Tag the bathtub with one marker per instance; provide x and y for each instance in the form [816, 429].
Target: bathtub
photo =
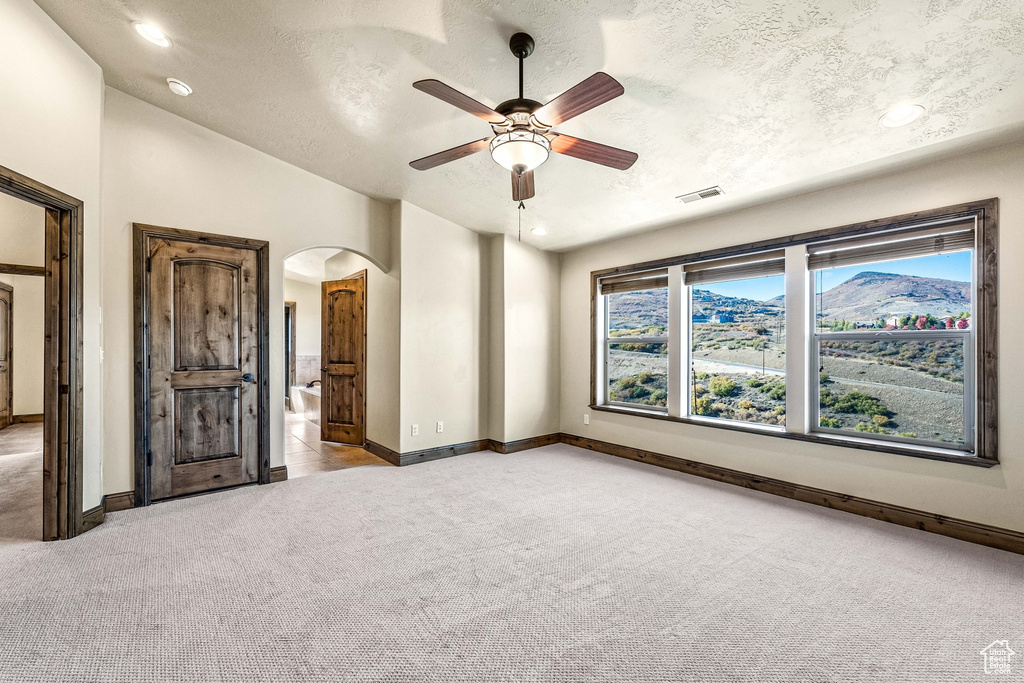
[306, 401]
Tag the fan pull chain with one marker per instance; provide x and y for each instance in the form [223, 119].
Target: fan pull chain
[521, 208]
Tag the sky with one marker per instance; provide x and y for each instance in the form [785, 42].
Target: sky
[945, 266]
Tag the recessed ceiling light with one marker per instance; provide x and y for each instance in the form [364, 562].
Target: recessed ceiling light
[901, 116]
[178, 87]
[540, 232]
[152, 34]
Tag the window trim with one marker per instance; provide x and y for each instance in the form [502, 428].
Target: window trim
[984, 328]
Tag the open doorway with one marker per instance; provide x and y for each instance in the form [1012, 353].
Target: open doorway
[324, 427]
[40, 363]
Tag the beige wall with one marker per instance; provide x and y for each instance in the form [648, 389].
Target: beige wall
[383, 344]
[163, 170]
[444, 331]
[307, 315]
[22, 236]
[991, 496]
[29, 338]
[51, 105]
[496, 339]
[530, 361]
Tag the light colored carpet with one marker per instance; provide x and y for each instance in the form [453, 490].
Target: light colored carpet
[554, 564]
[21, 483]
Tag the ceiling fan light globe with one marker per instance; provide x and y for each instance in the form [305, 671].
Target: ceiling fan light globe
[519, 150]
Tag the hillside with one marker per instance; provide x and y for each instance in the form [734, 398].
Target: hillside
[865, 296]
[870, 295]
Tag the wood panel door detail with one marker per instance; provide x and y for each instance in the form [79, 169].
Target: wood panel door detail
[6, 353]
[204, 385]
[343, 354]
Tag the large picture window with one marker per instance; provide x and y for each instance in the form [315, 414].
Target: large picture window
[737, 338]
[893, 340]
[879, 335]
[636, 339]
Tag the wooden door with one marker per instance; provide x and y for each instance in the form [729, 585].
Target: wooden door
[343, 356]
[6, 352]
[203, 309]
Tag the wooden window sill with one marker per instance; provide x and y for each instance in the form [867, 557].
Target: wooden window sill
[944, 455]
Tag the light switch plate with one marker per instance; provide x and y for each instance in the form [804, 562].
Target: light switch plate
[415, 430]
[586, 418]
[440, 427]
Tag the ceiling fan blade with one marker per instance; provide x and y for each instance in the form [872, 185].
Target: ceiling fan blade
[448, 94]
[593, 151]
[450, 154]
[523, 189]
[582, 97]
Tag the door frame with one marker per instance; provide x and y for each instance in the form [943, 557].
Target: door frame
[10, 353]
[141, 235]
[62, 350]
[290, 337]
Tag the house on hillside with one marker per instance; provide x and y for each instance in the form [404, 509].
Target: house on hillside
[723, 317]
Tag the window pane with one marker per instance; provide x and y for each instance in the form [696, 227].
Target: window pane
[638, 374]
[929, 292]
[638, 314]
[913, 389]
[739, 350]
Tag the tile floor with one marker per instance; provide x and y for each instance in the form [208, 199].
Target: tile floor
[305, 453]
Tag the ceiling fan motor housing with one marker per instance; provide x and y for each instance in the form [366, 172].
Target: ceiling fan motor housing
[521, 45]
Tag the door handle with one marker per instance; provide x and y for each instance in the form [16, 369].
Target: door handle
[247, 377]
[323, 369]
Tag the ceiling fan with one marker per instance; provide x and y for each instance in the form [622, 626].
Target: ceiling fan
[523, 138]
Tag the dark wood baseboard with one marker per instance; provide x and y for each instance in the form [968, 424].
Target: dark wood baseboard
[279, 473]
[972, 532]
[524, 444]
[22, 419]
[115, 502]
[429, 454]
[93, 517]
[383, 452]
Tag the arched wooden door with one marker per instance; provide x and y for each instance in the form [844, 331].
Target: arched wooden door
[343, 355]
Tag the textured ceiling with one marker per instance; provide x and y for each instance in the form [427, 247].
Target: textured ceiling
[747, 94]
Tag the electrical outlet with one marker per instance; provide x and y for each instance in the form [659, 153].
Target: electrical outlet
[586, 418]
[415, 430]
[440, 427]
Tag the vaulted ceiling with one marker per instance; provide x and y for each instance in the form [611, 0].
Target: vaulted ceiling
[752, 95]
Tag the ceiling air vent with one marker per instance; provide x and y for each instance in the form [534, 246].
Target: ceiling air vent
[700, 194]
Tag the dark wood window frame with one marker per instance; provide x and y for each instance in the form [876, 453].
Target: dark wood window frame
[62, 353]
[141, 234]
[986, 213]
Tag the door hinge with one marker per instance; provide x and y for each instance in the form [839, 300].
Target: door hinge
[149, 264]
[149, 458]
[149, 362]
[65, 389]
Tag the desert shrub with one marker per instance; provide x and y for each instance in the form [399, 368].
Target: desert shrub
[830, 422]
[639, 391]
[779, 410]
[702, 406]
[870, 428]
[859, 402]
[722, 386]
[659, 397]
[880, 420]
[700, 375]
[627, 382]
[644, 377]
[745, 405]
[699, 390]
[777, 391]
[823, 378]
[721, 408]
[909, 435]
[755, 382]
[826, 399]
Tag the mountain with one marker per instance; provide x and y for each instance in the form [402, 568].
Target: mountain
[870, 295]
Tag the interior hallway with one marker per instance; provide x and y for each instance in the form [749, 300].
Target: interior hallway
[21, 483]
[305, 453]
